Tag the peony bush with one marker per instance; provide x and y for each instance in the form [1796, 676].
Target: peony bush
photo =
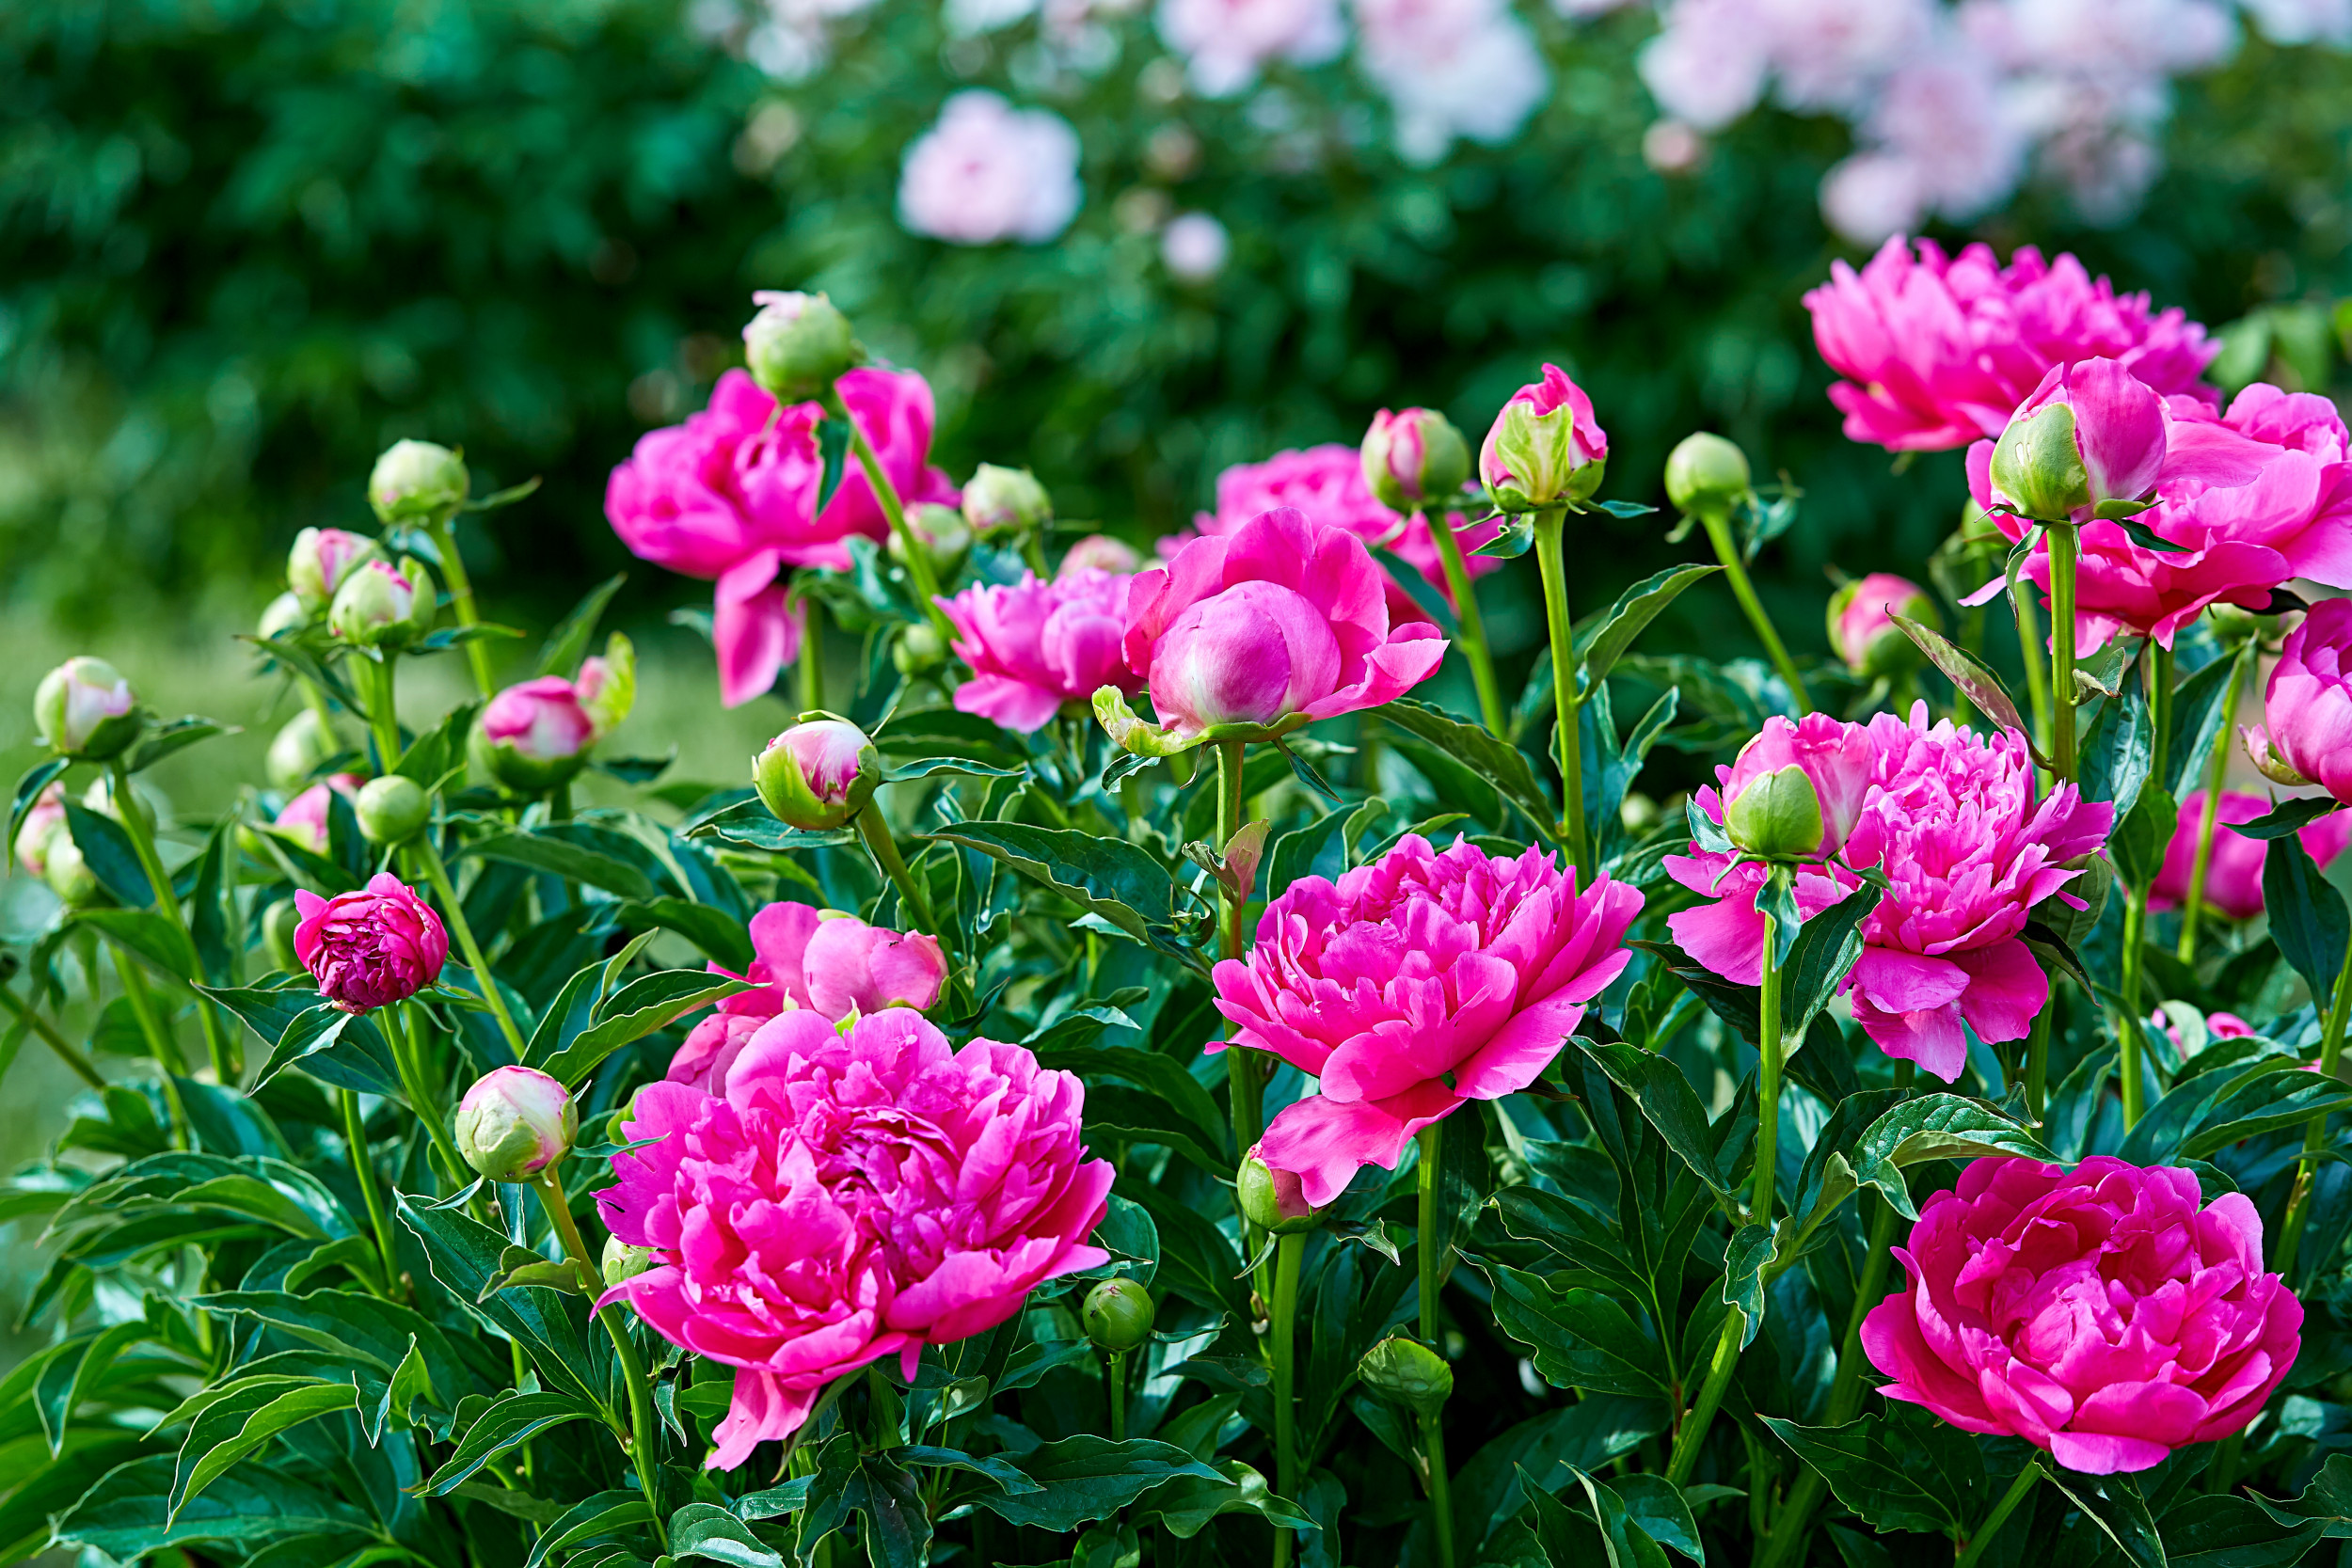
[1178, 1059]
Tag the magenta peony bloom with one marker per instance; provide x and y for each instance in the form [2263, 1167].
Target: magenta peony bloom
[2307, 708]
[1282, 623]
[1413, 984]
[303, 819]
[1951, 818]
[2099, 1314]
[731, 495]
[2233, 877]
[1035, 646]
[369, 948]
[1938, 351]
[844, 1198]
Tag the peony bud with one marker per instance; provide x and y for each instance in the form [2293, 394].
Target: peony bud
[1099, 552]
[1861, 628]
[1777, 816]
[1005, 500]
[799, 345]
[1409, 1374]
[2265, 757]
[320, 558]
[946, 536]
[1545, 449]
[1118, 1316]
[1414, 458]
[392, 809]
[514, 1122]
[624, 1261]
[279, 925]
[66, 873]
[533, 736]
[818, 774]
[382, 605]
[1273, 1200]
[2090, 441]
[300, 749]
[608, 686]
[44, 820]
[1708, 474]
[305, 819]
[417, 479]
[918, 648]
[85, 709]
[286, 612]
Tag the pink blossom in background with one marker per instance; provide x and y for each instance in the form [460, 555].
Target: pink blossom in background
[841, 1198]
[304, 817]
[1707, 66]
[1099, 552]
[1194, 246]
[731, 495]
[2233, 874]
[1425, 979]
[1943, 140]
[1938, 351]
[2307, 705]
[1227, 44]
[987, 172]
[1034, 646]
[1465, 69]
[2106, 1315]
[541, 717]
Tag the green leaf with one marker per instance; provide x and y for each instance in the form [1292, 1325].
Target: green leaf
[1500, 764]
[1667, 1102]
[708, 1531]
[717, 933]
[1935, 1127]
[1626, 1542]
[147, 933]
[1657, 1506]
[2287, 817]
[125, 1514]
[751, 823]
[1185, 1505]
[1636, 608]
[1970, 675]
[2307, 914]
[996, 1467]
[1824, 953]
[1736, 1005]
[2198, 704]
[567, 645]
[2114, 1504]
[362, 1328]
[1745, 1260]
[1108, 875]
[2238, 1532]
[210, 916]
[512, 1417]
[2326, 1497]
[648, 1003]
[602, 1514]
[238, 1425]
[315, 1028]
[431, 757]
[66, 1380]
[2138, 844]
[552, 1325]
[1086, 1477]
[269, 1012]
[1890, 1487]
[577, 851]
[1581, 1339]
[163, 740]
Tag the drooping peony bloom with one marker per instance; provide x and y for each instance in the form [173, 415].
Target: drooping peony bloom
[1951, 818]
[989, 173]
[1411, 984]
[1938, 350]
[731, 495]
[379, 946]
[2099, 1314]
[1280, 622]
[831, 964]
[1035, 646]
[2233, 875]
[845, 1197]
[2256, 496]
[1861, 630]
[303, 819]
[2307, 708]
[1227, 43]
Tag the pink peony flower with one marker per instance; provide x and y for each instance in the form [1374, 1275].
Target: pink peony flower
[1411, 984]
[2099, 1314]
[379, 946]
[988, 172]
[2233, 875]
[2090, 434]
[2307, 708]
[1938, 350]
[540, 719]
[1951, 818]
[1280, 623]
[731, 495]
[843, 1197]
[303, 819]
[1227, 43]
[1035, 646]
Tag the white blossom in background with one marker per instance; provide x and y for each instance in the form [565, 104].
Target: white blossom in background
[1944, 138]
[2303, 20]
[1451, 68]
[788, 40]
[989, 173]
[1194, 246]
[1227, 44]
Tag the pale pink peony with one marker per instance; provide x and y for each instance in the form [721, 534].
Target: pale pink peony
[303, 819]
[541, 719]
[2099, 1314]
[1228, 43]
[1938, 351]
[1099, 552]
[2234, 874]
[1411, 984]
[731, 495]
[1034, 646]
[1951, 818]
[2307, 708]
[45, 818]
[379, 946]
[848, 1197]
[988, 172]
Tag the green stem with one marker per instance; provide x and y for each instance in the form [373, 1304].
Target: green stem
[160, 1044]
[2064, 543]
[918, 557]
[2038, 1063]
[216, 1040]
[1701, 1415]
[1033, 553]
[1470, 625]
[1440, 1486]
[809, 668]
[321, 709]
[1550, 525]
[453, 911]
[1242, 1078]
[1434, 1271]
[363, 1170]
[2290, 1245]
[1287, 1251]
[1769, 1046]
[875, 830]
[2215, 771]
[2160, 710]
[1115, 1377]
[67, 1052]
[1718, 526]
[384, 712]
[2037, 661]
[2134, 921]
[422, 1097]
[461, 598]
[2016, 1494]
[641, 1435]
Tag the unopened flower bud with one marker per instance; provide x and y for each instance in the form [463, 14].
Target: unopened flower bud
[944, 535]
[533, 736]
[1099, 552]
[1118, 1315]
[85, 709]
[380, 604]
[514, 1122]
[623, 1262]
[1707, 474]
[1545, 449]
[1777, 816]
[607, 685]
[278, 922]
[2265, 757]
[1862, 628]
[417, 479]
[300, 749]
[798, 345]
[918, 649]
[391, 809]
[286, 612]
[2088, 440]
[1409, 1374]
[818, 774]
[66, 873]
[1414, 459]
[999, 501]
[1273, 1200]
[322, 559]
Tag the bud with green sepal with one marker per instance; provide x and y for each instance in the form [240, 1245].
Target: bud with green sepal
[1546, 449]
[2088, 442]
[416, 482]
[284, 613]
[1407, 1373]
[382, 605]
[1415, 459]
[608, 684]
[514, 1122]
[85, 709]
[918, 649]
[66, 873]
[1273, 1200]
[392, 809]
[798, 345]
[322, 559]
[1778, 817]
[621, 1261]
[818, 774]
[942, 530]
[1706, 475]
[301, 746]
[1118, 1315]
[1863, 631]
[1000, 502]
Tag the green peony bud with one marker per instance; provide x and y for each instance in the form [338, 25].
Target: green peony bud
[1707, 473]
[278, 934]
[1414, 459]
[999, 501]
[946, 536]
[2038, 466]
[514, 1122]
[66, 873]
[300, 749]
[1777, 816]
[382, 605]
[1273, 1200]
[391, 809]
[417, 479]
[818, 774]
[1118, 1315]
[1407, 1373]
[798, 345]
[623, 1262]
[85, 709]
[286, 612]
[918, 648]
[322, 559]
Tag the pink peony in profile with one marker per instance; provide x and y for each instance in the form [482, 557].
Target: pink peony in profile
[1938, 351]
[2089, 434]
[1951, 818]
[1546, 447]
[2233, 875]
[2100, 1314]
[1425, 979]
[842, 1197]
[1277, 624]
[303, 819]
[379, 946]
[731, 495]
[2307, 708]
[1035, 646]
[988, 172]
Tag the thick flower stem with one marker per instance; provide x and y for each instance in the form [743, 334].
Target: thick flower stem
[809, 668]
[218, 1043]
[2283, 1260]
[1469, 623]
[1115, 1377]
[1287, 1251]
[918, 557]
[1693, 1435]
[2209, 818]
[2160, 707]
[1550, 524]
[461, 598]
[1242, 1078]
[1433, 1276]
[2035, 657]
[384, 714]
[2134, 922]
[421, 1095]
[1718, 524]
[67, 1051]
[160, 1044]
[2065, 544]
[641, 1436]
[2038, 1064]
[875, 830]
[1974, 1547]
[363, 1171]
[453, 911]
